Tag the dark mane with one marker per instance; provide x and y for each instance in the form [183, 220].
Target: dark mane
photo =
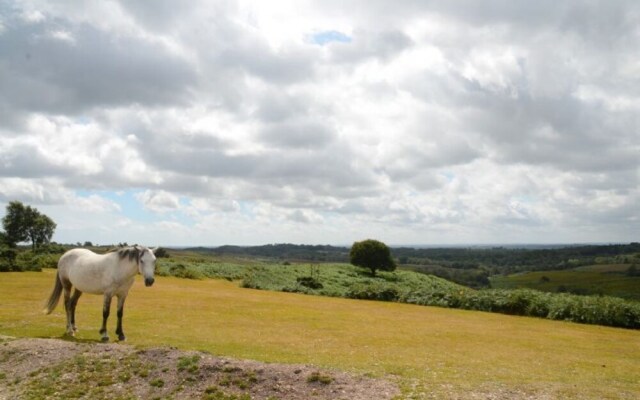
[132, 253]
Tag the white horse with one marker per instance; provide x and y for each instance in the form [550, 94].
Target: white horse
[110, 274]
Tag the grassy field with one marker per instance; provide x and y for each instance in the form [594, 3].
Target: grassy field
[608, 280]
[433, 352]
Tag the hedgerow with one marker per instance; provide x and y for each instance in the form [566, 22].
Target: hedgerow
[599, 310]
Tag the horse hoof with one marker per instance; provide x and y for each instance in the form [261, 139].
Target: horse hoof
[122, 338]
[104, 339]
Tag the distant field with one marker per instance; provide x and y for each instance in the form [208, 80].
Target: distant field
[433, 352]
[608, 280]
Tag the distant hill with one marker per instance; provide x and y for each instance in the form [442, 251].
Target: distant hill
[283, 251]
[498, 259]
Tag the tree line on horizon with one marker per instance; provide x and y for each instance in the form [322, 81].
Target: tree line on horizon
[502, 258]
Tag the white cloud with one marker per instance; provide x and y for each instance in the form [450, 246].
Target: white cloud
[413, 122]
[159, 201]
[64, 36]
[93, 204]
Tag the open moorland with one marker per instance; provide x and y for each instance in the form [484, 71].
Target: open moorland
[428, 352]
[602, 279]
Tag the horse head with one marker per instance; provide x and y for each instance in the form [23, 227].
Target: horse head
[147, 264]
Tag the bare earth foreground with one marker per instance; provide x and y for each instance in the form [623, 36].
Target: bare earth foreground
[53, 368]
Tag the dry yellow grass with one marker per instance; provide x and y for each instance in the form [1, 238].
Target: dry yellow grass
[434, 352]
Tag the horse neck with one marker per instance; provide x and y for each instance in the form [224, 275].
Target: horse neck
[126, 267]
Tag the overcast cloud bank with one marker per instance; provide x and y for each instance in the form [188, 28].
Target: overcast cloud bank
[319, 122]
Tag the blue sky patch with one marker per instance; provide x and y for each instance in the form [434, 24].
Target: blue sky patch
[326, 37]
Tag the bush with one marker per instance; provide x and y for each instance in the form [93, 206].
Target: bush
[27, 261]
[374, 291]
[600, 310]
[161, 253]
[7, 258]
[180, 271]
[47, 260]
[310, 282]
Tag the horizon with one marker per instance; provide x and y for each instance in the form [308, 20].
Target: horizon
[244, 122]
[391, 245]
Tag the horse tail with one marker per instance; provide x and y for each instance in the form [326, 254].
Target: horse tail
[55, 296]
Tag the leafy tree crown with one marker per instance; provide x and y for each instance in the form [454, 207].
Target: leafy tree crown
[26, 224]
[373, 255]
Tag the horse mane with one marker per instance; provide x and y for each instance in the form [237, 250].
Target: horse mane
[133, 253]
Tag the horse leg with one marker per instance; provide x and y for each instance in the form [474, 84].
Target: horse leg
[74, 303]
[67, 307]
[106, 306]
[119, 330]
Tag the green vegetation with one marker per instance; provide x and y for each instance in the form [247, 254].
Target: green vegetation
[213, 393]
[28, 260]
[607, 279]
[26, 224]
[372, 255]
[470, 266]
[433, 352]
[341, 280]
[495, 260]
[318, 377]
[189, 364]
[95, 376]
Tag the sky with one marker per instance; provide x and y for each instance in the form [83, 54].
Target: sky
[323, 122]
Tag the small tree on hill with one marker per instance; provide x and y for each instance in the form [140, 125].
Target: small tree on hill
[373, 255]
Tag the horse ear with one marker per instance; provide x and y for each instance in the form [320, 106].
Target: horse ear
[154, 249]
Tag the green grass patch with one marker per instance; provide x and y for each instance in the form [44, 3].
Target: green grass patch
[189, 364]
[319, 377]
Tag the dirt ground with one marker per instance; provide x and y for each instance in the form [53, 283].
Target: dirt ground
[55, 369]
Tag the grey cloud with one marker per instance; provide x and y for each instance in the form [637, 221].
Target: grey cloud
[91, 68]
[596, 20]
[276, 106]
[36, 191]
[365, 44]
[521, 126]
[229, 48]
[299, 216]
[27, 161]
[160, 15]
[298, 134]
[324, 167]
[561, 132]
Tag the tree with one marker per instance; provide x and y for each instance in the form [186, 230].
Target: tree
[373, 255]
[14, 223]
[40, 230]
[26, 224]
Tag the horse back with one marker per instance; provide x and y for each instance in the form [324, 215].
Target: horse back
[86, 270]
